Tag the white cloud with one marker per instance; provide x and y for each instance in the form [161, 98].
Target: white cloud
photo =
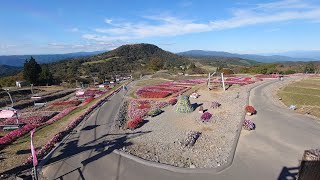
[285, 4]
[74, 29]
[108, 21]
[158, 26]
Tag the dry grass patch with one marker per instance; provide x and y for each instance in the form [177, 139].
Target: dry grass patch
[305, 94]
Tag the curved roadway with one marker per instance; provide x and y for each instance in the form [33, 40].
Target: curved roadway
[272, 151]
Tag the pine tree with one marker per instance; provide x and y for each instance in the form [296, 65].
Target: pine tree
[31, 71]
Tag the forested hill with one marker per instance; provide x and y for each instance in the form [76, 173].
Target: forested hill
[8, 70]
[135, 58]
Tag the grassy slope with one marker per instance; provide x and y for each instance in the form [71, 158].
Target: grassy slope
[99, 61]
[17, 153]
[305, 94]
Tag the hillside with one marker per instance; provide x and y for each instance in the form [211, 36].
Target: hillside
[223, 61]
[18, 60]
[254, 57]
[126, 59]
[8, 70]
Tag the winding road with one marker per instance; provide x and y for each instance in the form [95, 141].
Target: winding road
[272, 151]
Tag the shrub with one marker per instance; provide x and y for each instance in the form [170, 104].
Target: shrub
[173, 101]
[215, 104]
[201, 108]
[248, 125]
[154, 112]
[206, 116]
[250, 109]
[133, 124]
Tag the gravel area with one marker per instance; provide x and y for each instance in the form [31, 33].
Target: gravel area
[159, 138]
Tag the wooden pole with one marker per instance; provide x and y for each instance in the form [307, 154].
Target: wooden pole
[223, 85]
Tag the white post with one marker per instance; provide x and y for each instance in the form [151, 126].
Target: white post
[31, 86]
[209, 81]
[222, 79]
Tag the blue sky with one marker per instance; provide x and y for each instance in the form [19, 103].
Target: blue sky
[60, 26]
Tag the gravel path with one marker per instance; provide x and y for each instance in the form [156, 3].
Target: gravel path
[163, 133]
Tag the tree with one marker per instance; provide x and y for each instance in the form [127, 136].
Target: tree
[31, 71]
[310, 68]
[45, 75]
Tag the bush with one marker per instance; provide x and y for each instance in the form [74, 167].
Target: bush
[250, 109]
[201, 108]
[173, 101]
[154, 112]
[215, 104]
[133, 124]
[206, 116]
[248, 125]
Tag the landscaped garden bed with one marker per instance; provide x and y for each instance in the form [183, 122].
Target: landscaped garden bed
[188, 132]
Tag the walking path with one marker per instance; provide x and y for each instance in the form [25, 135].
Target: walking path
[272, 151]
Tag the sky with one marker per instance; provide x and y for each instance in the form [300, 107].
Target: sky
[251, 26]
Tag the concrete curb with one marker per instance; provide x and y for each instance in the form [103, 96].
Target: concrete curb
[194, 170]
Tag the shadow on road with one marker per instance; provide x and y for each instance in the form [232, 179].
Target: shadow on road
[89, 127]
[103, 148]
[79, 171]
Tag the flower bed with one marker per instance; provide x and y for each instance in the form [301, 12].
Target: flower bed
[142, 93]
[15, 134]
[66, 103]
[166, 89]
[173, 101]
[135, 110]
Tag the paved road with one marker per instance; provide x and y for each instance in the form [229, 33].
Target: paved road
[266, 153]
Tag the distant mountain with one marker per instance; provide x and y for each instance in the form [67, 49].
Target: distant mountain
[259, 58]
[315, 54]
[6, 70]
[126, 59]
[18, 60]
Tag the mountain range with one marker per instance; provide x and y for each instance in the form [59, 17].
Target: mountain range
[296, 55]
[18, 60]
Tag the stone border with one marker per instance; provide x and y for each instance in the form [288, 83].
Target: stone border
[195, 170]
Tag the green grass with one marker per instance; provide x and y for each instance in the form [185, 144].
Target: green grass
[100, 61]
[305, 94]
